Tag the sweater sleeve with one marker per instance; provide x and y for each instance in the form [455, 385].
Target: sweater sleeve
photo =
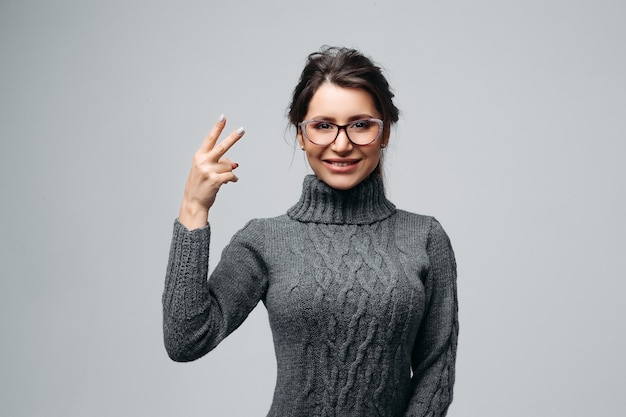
[434, 354]
[199, 313]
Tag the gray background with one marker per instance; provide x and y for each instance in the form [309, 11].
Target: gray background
[512, 135]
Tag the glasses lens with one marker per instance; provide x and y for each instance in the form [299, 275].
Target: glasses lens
[363, 132]
[360, 132]
[321, 133]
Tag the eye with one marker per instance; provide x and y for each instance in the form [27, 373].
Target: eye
[322, 126]
[361, 125]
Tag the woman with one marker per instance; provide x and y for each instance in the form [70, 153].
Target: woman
[361, 296]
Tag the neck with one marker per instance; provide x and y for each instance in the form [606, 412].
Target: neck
[363, 204]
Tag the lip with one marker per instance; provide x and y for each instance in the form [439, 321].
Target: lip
[341, 165]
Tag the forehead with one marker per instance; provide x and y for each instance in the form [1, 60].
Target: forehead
[335, 102]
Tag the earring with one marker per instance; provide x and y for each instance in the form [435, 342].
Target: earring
[382, 145]
[302, 147]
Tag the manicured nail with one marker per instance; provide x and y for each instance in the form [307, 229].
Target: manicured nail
[221, 118]
[240, 131]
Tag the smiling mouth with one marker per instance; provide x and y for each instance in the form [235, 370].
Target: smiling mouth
[342, 163]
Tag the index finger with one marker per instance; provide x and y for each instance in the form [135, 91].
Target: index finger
[221, 148]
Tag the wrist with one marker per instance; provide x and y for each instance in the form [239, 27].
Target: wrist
[193, 216]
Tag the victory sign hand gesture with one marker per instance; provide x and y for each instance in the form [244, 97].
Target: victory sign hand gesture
[209, 171]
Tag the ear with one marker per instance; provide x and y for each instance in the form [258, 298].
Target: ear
[300, 138]
[385, 138]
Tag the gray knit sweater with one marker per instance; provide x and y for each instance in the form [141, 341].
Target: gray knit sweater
[361, 299]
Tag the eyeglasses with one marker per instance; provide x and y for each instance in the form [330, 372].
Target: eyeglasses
[360, 132]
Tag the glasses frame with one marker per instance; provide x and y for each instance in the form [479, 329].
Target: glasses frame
[303, 124]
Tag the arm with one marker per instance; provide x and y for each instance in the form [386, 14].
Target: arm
[199, 313]
[434, 353]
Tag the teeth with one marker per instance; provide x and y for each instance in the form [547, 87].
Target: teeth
[340, 164]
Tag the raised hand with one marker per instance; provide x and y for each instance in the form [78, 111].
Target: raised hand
[209, 171]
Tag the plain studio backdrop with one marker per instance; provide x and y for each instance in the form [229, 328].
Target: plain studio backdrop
[512, 134]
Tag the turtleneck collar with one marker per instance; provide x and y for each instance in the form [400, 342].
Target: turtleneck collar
[364, 204]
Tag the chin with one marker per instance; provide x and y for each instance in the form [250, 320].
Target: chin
[341, 183]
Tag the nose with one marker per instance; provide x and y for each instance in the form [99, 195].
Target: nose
[342, 144]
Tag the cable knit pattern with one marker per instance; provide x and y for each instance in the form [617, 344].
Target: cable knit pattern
[361, 299]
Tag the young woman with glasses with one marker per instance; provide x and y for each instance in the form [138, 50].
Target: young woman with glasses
[361, 296]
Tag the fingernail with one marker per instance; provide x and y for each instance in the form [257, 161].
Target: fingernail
[240, 131]
[221, 118]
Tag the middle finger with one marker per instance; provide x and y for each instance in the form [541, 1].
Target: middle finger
[211, 138]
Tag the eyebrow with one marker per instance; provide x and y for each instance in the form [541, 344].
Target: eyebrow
[350, 119]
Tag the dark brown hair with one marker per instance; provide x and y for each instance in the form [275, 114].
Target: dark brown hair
[348, 68]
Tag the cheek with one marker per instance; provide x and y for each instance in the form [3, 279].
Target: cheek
[373, 153]
[313, 154]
